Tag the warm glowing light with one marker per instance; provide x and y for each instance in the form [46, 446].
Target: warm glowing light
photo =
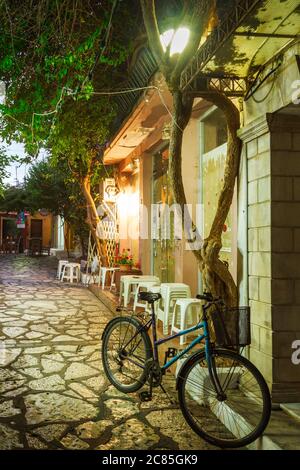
[179, 41]
[166, 38]
[128, 204]
[176, 40]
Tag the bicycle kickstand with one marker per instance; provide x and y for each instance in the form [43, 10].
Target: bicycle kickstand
[165, 391]
[147, 395]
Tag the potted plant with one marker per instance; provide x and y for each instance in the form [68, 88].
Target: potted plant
[125, 260]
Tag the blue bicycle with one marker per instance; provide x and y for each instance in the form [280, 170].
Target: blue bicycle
[222, 395]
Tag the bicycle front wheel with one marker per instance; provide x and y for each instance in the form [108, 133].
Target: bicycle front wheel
[234, 414]
[126, 347]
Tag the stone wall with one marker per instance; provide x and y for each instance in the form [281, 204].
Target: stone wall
[257, 152]
[272, 150]
[285, 242]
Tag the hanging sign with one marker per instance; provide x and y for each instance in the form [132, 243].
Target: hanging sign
[43, 212]
[110, 190]
[21, 220]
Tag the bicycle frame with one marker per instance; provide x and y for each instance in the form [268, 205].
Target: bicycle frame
[205, 336]
[156, 343]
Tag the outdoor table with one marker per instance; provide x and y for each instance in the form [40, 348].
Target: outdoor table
[129, 281]
[119, 274]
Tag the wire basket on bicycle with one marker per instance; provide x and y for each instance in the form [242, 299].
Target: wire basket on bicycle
[231, 326]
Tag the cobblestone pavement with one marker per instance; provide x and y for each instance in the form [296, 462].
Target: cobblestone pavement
[53, 391]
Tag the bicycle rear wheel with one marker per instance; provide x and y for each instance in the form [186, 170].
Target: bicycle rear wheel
[126, 347]
[240, 411]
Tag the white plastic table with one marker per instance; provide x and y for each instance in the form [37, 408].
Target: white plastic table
[128, 281]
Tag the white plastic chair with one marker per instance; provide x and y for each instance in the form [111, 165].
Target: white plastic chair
[188, 316]
[61, 264]
[103, 272]
[170, 292]
[71, 272]
[143, 286]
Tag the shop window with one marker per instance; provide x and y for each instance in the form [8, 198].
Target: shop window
[215, 130]
[213, 160]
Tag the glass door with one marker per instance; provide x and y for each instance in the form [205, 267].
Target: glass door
[163, 248]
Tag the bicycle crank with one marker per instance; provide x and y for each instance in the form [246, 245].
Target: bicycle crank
[153, 372]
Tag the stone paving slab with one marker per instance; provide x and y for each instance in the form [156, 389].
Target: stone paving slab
[53, 391]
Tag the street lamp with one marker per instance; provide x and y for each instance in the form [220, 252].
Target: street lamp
[177, 40]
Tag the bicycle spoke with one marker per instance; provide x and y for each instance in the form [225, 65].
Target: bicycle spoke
[126, 349]
[223, 416]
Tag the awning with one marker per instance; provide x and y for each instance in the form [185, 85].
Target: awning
[247, 38]
[250, 34]
[143, 122]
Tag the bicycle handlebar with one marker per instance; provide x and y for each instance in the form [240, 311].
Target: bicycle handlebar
[205, 296]
[208, 297]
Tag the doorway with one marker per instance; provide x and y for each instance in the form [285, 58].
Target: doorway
[163, 245]
[36, 228]
[36, 236]
[9, 228]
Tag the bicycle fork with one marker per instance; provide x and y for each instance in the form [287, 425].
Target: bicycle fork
[212, 370]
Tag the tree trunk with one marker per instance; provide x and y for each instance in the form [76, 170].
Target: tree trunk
[82, 244]
[66, 243]
[199, 15]
[216, 273]
[216, 276]
[93, 220]
[181, 116]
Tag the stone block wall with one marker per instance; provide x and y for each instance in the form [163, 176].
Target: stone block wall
[285, 219]
[272, 148]
[259, 251]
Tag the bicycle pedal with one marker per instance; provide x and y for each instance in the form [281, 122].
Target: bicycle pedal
[170, 353]
[145, 396]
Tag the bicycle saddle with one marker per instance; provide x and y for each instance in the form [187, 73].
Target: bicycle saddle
[149, 297]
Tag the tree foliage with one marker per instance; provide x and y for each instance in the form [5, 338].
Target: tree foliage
[79, 138]
[13, 199]
[57, 58]
[53, 49]
[4, 162]
[54, 188]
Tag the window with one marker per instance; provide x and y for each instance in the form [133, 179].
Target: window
[215, 130]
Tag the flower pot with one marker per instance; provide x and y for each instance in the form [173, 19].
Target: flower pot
[125, 267]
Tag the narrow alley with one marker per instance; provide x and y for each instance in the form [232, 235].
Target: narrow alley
[53, 392]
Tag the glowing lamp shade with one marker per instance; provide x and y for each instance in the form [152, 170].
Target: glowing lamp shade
[176, 40]
[166, 38]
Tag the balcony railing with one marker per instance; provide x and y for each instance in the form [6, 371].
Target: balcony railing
[145, 67]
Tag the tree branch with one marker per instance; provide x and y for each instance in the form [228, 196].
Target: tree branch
[150, 20]
[196, 18]
[232, 161]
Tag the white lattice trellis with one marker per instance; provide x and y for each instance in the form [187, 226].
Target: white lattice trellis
[92, 269]
[109, 230]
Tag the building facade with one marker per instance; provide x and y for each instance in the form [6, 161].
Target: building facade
[48, 229]
[36, 226]
[261, 241]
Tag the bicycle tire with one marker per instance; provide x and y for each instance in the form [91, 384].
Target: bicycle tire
[133, 325]
[210, 406]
